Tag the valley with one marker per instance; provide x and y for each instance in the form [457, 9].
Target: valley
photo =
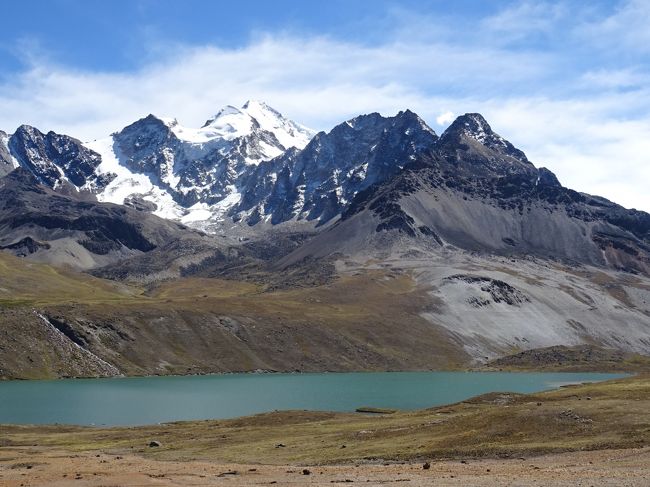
[324, 243]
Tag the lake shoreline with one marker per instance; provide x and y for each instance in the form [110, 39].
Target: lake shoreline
[597, 416]
[557, 358]
[138, 401]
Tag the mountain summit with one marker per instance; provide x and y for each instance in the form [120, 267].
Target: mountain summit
[231, 123]
[194, 174]
[457, 244]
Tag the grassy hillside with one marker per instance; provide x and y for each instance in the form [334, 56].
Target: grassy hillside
[613, 414]
[59, 323]
[579, 358]
[198, 325]
[29, 283]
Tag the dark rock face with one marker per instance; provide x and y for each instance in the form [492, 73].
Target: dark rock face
[33, 217]
[320, 181]
[25, 247]
[473, 190]
[499, 291]
[75, 335]
[6, 165]
[469, 188]
[55, 158]
[470, 146]
[144, 146]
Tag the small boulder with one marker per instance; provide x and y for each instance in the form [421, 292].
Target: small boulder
[426, 466]
[154, 444]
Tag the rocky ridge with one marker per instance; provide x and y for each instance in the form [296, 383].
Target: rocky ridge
[333, 240]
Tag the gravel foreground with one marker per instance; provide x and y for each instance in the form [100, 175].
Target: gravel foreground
[46, 467]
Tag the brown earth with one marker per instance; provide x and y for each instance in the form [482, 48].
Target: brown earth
[594, 434]
[34, 467]
[581, 358]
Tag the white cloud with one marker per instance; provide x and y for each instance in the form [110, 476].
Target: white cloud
[590, 127]
[624, 31]
[524, 19]
[317, 80]
[445, 118]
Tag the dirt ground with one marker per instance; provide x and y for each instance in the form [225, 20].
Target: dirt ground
[35, 466]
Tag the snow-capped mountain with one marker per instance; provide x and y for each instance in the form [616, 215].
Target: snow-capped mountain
[193, 175]
[479, 251]
[247, 164]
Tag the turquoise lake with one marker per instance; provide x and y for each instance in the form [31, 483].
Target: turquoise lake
[149, 400]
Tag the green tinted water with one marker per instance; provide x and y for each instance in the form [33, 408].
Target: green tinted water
[148, 400]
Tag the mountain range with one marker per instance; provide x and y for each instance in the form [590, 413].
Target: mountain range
[376, 245]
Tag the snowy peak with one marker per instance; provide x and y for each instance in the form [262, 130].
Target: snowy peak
[229, 123]
[232, 122]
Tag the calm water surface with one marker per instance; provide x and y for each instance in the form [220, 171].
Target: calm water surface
[148, 400]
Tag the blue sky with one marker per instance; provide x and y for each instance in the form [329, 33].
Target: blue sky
[568, 82]
[116, 34]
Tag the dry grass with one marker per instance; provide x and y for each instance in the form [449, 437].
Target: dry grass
[31, 283]
[211, 325]
[613, 414]
[580, 358]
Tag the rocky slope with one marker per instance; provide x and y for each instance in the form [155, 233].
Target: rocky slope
[335, 243]
[47, 226]
[7, 162]
[246, 165]
[318, 182]
[481, 194]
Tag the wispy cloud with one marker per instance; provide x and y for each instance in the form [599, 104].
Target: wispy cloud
[625, 31]
[525, 19]
[586, 120]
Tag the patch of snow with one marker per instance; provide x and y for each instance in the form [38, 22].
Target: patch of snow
[4, 140]
[288, 133]
[168, 176]
[300, 200]
[126, 183]
[232, 199]
[199, 212]
[269, 151]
